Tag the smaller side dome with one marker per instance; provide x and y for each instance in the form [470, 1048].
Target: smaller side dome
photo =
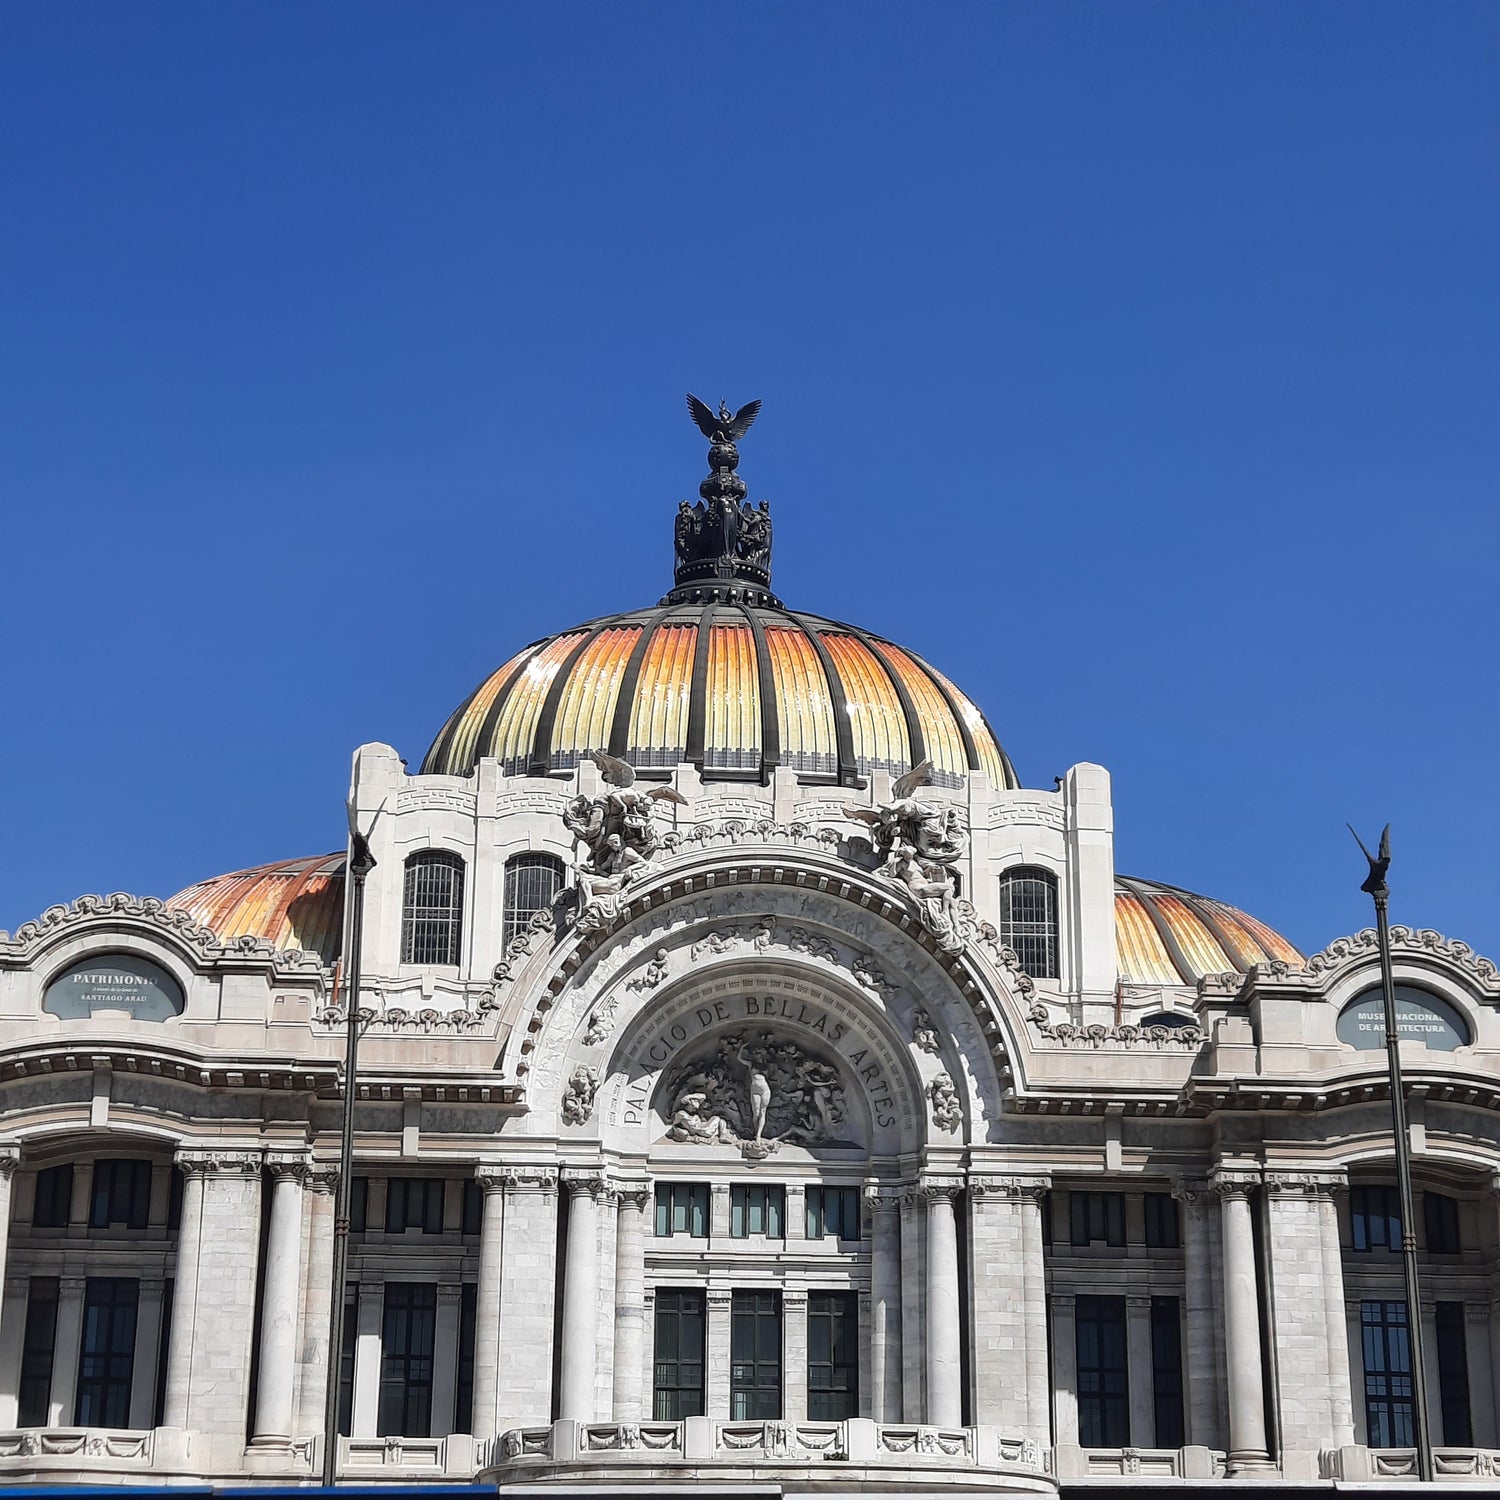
[1165, 935]
[295, 903]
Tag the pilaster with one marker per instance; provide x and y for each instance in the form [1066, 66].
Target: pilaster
[944, 1365]
[528, 1296]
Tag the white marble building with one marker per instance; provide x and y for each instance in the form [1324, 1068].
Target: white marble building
[821, 1128]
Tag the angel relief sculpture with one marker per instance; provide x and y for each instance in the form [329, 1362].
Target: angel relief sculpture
[757, 1095]
[919, 843]
[618, 838]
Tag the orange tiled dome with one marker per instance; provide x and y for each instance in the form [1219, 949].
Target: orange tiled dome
[734, 688]
[296, 903]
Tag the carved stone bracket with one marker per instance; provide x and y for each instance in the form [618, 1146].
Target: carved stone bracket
[10, 1159]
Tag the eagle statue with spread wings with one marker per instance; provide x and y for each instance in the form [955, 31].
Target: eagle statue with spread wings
[722, 428]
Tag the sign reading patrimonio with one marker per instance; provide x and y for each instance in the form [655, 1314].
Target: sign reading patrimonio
[114, 981]
[1420, 1017]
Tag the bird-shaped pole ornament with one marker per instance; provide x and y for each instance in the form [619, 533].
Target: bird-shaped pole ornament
[722, 427]
[1374, 884]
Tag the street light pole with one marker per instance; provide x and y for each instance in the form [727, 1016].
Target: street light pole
[360, 863]
[1375, 885]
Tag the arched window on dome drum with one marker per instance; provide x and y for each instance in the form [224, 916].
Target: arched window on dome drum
[532, 882]
[432, 908]
[1028, 918]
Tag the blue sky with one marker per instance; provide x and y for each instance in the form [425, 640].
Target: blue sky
[1135, 363]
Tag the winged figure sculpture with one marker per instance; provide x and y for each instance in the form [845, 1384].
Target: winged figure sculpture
[620, 773]
[723, 427]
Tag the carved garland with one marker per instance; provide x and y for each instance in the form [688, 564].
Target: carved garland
[1422, 940]
[1066, 1034]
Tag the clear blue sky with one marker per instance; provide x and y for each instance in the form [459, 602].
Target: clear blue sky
[1135, 363]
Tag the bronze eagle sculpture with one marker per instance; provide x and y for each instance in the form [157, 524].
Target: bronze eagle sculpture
[722, 428]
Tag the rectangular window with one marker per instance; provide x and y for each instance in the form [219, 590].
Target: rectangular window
[832, 1356]
[473, 1207]
[406, 1348]
[107, 1352]
[754, 1356]
[756, 1210]
[1103, 1389]
[677, 1381]
[463, 1395]
[35, 1403]
[1097, 1217]
[359, 1205]
[1166, 1370]
[682, 1208]
[414, 1203]
[1375, 1218]
[1161, 1223]
[174, 1201]
[833, 1210]
[1388, 1389]
[121, 1194]
[54, 1197]
[1440, 1220]
[1453, 1375]
[346, 1357]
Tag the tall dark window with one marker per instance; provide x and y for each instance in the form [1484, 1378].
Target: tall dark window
[406, 1342]
[754, 1356]
[1097, 1216]
[682, 1208]
[1453, 1375]
[1103, 1390]
[1388, 1389]
[163, 1345]
[1166, 1371]
[833, 1210]
[1161, 1223]
[107, 1352]
[472, 1217]
[432, 908]
[532, 882]
[754, 1209]
[121, 1194]
[1375, 1218]
[677, 1381]
[414, 1203]
[37, 1345]
[54, 1197]
[463, 1395]
[359, 1204]
[1440, 1220]
[1028, 919]
[832, 1356]
[346, 1358]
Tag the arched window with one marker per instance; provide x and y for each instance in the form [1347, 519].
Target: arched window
[532, 882]
[432, 908]
[1028, 918]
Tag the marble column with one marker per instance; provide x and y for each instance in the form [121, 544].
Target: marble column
[213, 1304]
[491, 1180]
[1034, 1202]
[282, 1283]
[883, 1210]
[312, 1385]
[944, 1364]
[1247, 1410]
[527, 1296]
[629, 1362]
[580, 1287]
[913, 1308]
[1200, 1310]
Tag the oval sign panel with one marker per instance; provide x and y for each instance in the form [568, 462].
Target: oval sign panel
[114, 981]
[1420, 1017]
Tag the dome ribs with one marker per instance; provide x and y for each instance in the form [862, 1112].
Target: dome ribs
[698, 695]
[619, 729]
[842, 729]
[1142, 892]
[540, 763]
[770, 724]
[916, 741]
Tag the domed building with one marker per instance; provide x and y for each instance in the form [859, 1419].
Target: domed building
[757, 1086]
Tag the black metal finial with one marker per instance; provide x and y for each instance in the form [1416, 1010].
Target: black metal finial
[1374, 884]
[723, 544]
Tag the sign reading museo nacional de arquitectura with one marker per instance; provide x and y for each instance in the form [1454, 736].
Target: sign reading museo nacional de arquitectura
[1420, 1016]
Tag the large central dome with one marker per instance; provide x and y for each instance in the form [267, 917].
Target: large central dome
[719, 675]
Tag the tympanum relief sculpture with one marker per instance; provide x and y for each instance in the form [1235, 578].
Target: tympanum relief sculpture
[618, 836]
[919, 843]
[757, 1095]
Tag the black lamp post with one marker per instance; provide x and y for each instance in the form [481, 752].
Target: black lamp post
[360, 863]
[1376, 886]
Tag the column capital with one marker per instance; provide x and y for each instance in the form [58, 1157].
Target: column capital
[449, 1292]
[1138, 1304]
[1064, 1302]
[1193, 1192]
[936, 1189]
[72, 1286]
[794, 1296]
[10, 1159]
[719, 1296]
[492, 1176]
[1010, 1189]
[322, 1177]
[296, 1165]
[531, 1180]
[633, 1194]
[1319, 1184]
[590, 1180]
[881, 1198]
[209, 1161]
[1233, 1182]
